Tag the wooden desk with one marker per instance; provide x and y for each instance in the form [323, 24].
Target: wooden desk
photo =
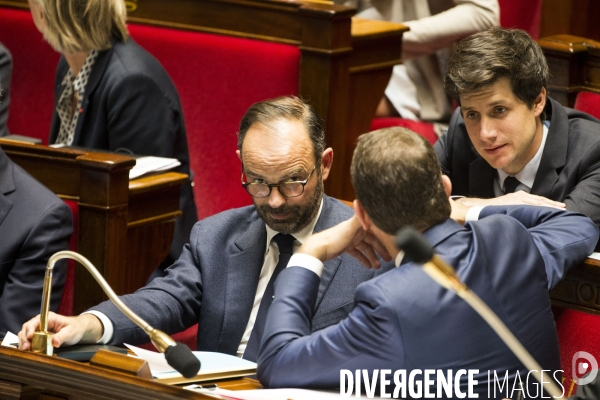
[125, 227]
[574, 64]
[580, 289]
[25, 375]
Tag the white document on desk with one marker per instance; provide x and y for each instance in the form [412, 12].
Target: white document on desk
[213, 364]
[595, 256]
[147, 164]
[10, 340]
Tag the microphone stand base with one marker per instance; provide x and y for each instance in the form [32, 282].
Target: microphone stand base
[42, 343]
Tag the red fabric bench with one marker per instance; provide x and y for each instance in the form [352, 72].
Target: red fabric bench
[218, 78]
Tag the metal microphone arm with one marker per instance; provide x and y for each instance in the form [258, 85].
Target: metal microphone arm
[419, 251]
[42, 339]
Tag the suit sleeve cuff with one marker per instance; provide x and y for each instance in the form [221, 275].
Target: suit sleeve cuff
[473, 213]
[306, 261]
[106, 324]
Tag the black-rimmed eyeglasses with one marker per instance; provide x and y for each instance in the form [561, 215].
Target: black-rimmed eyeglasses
[288, 189]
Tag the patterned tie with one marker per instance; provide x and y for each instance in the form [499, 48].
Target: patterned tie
[510, 184]
[285, 243]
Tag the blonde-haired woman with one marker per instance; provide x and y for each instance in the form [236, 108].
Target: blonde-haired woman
[111, 94]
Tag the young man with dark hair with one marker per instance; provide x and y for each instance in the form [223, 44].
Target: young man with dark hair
[508, 142]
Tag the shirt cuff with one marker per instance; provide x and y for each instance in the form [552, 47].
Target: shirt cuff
[106, 324]
[473, 213]
[308, 262]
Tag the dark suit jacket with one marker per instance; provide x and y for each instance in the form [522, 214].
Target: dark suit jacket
[214, 282]
[34, 224]
[131, 106]
[405, 320]
[569, 170]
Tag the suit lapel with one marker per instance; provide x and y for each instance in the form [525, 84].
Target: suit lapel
[7, 184]
[481, 179]
[243, 273]
[554, 155]
[328, 218]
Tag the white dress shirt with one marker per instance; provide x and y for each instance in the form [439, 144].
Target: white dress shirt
[526, 176]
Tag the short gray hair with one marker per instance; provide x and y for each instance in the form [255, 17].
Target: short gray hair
[289, 108]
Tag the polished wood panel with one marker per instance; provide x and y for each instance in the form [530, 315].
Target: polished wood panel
[345, 63]
[572, 17]
[574, 64]
[25, 375]
[580, 289]
[125, 227]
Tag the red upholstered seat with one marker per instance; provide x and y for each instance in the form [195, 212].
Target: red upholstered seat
[577, 331]
[32, 85]
[218, 78]
[422, 128]
[526, 15]
[588, 102]
[66, 304]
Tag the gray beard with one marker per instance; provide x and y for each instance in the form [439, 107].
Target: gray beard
[300, 216]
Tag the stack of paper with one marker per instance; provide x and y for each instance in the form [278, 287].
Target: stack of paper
[212, 366]
[147, 164]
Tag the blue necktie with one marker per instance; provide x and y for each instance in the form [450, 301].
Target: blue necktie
[286, 245]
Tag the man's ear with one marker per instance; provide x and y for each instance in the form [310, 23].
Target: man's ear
[447, 185]
[239, 154]
[540, 102]
[326, 162]
[362, 215]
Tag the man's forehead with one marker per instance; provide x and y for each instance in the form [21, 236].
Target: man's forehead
[494, 92]
[280, 137]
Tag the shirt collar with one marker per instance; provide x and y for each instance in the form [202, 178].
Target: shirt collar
[527, 175]
[300, 236]
[80, 81]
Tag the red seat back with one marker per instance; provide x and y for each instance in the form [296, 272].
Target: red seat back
[577, 331]
[526, 15]
[424, 129]
[588, 102]
[68, 298]
[34, 65]
[218, 78]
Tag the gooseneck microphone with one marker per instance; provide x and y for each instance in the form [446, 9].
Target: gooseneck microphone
[419, 251]
[178, 355]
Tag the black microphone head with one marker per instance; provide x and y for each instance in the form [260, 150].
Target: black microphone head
[414, 246]
[181, 358]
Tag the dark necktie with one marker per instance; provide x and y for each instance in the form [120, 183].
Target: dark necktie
[510, 184]
[286, 245]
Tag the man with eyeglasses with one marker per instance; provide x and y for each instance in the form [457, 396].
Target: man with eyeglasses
[224, 278]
